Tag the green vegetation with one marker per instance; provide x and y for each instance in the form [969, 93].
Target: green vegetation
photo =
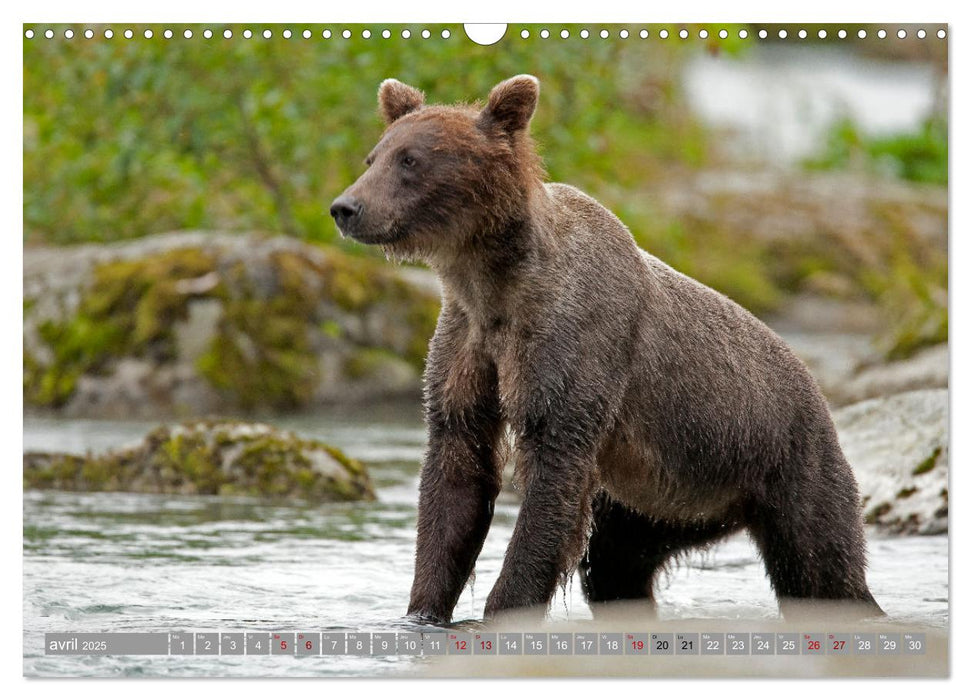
[887, 264]
[903, 275]
[366, 361]
[919, 157]
[726, 259]
[928, 463]
[912, 288]
[262, 353]
[123, 138]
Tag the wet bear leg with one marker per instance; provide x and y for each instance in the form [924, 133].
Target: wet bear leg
[813, 545]
[627, 549]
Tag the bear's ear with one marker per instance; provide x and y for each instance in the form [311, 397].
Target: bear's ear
[397, 99]
[512, 103]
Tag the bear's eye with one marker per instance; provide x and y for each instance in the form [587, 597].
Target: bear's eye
[408, 161]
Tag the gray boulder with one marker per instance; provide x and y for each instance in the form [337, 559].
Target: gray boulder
[898, 448]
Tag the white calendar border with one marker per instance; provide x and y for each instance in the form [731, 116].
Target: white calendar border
[439, 10]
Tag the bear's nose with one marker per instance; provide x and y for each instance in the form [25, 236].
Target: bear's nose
[345, 208]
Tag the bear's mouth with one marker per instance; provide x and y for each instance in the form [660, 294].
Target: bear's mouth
[394, 234]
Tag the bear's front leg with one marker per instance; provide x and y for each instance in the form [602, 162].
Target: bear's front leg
[551, 531]
[461, 475]
[459, 485]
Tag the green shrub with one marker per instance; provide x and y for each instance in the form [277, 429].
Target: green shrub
[124, 138]
[920, 156]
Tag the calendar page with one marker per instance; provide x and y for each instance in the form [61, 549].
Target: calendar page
[512, 350]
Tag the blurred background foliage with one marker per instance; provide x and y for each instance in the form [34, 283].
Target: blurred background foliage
[918, 157]
[129, 137]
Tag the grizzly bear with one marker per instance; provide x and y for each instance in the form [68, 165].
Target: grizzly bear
[648, 413]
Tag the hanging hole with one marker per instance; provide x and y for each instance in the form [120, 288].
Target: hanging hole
[485, 34]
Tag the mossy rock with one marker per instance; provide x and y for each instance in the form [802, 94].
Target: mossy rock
[210, 458]
[280, 316]
[128, 309]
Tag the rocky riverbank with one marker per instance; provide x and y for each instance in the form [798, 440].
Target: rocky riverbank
[898, 447]
[839, 342]
[197, 323]
[891, 414]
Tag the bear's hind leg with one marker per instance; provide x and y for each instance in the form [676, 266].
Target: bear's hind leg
[814, 549]
[627, 550]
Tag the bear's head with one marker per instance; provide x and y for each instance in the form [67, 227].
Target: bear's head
[444, 176]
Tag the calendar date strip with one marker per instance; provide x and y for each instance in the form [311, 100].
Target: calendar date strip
[484, 644]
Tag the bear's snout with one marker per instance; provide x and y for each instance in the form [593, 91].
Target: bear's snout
[346, 211]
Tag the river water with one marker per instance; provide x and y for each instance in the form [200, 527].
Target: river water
[130, 562]
[780, 100]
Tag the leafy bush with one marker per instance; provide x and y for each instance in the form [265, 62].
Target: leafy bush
[124, 138]
[920, 156]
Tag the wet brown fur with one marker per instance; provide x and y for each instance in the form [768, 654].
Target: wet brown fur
[650, 413]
